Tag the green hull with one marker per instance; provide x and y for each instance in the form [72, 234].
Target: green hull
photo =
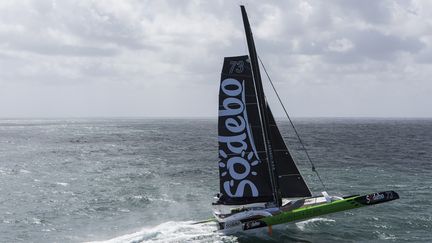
[307, 212]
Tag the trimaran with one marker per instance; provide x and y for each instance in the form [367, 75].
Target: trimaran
[260, 185]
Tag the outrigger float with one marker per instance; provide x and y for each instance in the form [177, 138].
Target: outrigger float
[260, 184]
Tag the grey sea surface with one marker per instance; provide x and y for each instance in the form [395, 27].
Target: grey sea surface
[146, 180]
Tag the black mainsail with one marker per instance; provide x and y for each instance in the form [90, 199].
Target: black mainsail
[244, 175]
[255, 164]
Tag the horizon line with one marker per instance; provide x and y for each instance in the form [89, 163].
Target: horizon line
[204, 117]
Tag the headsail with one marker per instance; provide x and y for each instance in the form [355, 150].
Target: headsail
[290, 181]
[244, 176]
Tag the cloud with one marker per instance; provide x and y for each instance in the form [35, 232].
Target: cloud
[174, 49]
[370, 11]
[372, 45]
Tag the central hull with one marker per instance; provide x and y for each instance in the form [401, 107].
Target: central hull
[281, 216]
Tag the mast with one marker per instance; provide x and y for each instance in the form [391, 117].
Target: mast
[262, 104]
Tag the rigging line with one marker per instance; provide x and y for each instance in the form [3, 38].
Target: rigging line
[292, 124]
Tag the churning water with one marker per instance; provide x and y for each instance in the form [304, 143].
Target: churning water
[140, 180]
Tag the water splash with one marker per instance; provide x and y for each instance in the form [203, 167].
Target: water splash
[173, 231]
[312, 222]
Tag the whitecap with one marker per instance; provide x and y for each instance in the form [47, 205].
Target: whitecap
[152, 199]
[385, 236]
[62, 183]
[36, 221]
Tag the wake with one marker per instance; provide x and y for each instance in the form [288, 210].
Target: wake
[172, 231]
[186, 231]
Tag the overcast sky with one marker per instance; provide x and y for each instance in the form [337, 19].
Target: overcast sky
[163, 58]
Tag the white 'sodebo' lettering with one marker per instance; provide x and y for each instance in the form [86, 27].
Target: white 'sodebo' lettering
[239, 157]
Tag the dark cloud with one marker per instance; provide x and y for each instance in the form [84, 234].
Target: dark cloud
[425, 57]
[378, 45]
[371, 44]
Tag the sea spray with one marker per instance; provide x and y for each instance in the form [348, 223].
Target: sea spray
[174, 231]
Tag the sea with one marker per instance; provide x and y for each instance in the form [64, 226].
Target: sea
[148, 180]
